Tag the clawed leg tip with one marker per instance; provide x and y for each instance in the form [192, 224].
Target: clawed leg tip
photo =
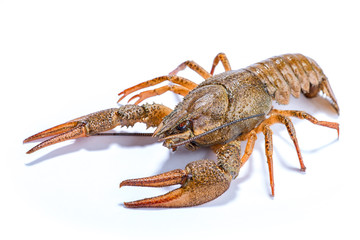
[121, 95]
[121, 98]
[140, 99]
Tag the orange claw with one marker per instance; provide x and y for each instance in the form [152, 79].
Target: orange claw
[201, 181]
[63, 132]
[140, 96]
[124, 93]
[79, 127]
[105, 120]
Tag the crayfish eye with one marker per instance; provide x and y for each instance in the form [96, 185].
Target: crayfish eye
[184, 125]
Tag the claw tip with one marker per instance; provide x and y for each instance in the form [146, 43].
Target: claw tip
[31, 151]
[133, 97]
[29, 139]
[121, 98]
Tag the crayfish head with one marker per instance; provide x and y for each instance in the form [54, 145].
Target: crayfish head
[201, 110]
[173, 136]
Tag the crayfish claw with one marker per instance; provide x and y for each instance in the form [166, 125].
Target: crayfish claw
[101, 121]
[174, 177]
[52, 131]
[201, 181]
[75, 132]
[80, 127]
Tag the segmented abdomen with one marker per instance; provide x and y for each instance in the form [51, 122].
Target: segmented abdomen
[292, 73]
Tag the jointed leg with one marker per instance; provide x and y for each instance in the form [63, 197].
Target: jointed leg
[251, 138]
[304, 115]
[279, 118]
[264, 127]
[192, 65]
[201, 71]
[269, 152]
[158, 91]
[220, 57]
[185, 85]
[282, 116]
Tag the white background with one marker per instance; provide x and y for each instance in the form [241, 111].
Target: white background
[64, 59]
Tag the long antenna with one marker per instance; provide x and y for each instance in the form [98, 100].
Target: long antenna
[215, 129]
[185, 141]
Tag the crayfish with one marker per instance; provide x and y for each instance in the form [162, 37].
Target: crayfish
[219, 113]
